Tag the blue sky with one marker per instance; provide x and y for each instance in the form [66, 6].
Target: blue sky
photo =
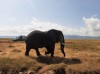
[74, 17]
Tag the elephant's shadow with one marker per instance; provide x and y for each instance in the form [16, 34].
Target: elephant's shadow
[56, 60]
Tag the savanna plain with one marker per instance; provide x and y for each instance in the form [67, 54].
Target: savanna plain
[82, 57]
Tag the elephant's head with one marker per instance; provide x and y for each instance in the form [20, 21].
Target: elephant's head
[57, 36]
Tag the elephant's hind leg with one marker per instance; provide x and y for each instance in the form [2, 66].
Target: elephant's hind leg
[27, 50]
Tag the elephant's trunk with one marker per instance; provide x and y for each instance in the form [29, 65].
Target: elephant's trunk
[62, 42]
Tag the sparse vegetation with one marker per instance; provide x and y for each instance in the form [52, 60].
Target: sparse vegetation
[83, 44]
[82, 57]
[19, 65]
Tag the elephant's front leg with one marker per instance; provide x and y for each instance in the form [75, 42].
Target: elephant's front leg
[52, 50]
[48, 50]
[37, 52]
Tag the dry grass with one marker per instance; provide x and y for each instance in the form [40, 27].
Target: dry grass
[82, 56]
[16, 50]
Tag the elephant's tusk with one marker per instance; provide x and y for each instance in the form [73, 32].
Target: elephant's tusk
[62, 43]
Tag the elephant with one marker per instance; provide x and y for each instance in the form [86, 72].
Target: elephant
[38, 39]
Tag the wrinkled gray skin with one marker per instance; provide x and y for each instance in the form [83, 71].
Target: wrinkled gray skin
[38, 39]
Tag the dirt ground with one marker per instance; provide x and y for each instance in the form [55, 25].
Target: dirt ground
[82, 56]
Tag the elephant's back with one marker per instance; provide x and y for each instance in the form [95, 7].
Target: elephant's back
[36, 37]
[33, 33]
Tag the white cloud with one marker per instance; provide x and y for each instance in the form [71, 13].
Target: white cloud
[44, 25]
[92, 28]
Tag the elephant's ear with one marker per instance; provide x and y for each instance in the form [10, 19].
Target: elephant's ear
[52, 35]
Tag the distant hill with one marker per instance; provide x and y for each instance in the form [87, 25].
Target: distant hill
[8, 36]
[65, 36]
[79, 37]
